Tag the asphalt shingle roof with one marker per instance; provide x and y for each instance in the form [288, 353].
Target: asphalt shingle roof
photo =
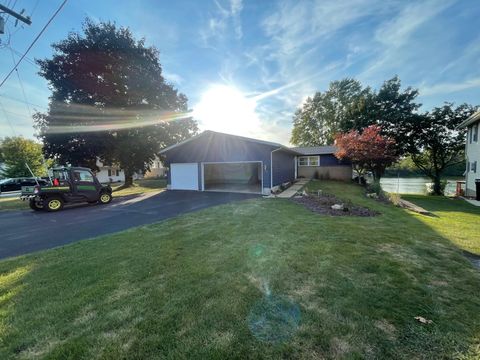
[316, 150]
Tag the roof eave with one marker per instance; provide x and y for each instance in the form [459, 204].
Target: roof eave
[472, 119]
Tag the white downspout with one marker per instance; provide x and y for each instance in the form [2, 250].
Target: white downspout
[271, 167]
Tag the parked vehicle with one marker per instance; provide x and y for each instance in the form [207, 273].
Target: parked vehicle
[15, 184]
[69, 185]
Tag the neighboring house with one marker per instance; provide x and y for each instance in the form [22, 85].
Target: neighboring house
[213, 161]
[157, 170]
[109, 174]
[472, 153]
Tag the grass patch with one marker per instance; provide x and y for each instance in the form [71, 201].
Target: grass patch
[139, 187]
[13, 203]
[455, 219]
[203, 285]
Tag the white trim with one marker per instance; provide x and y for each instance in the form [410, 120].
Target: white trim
[308, 160]
[472, 119]
[229, 162]
[271, 166]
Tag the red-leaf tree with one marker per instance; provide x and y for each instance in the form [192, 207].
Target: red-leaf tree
[368, 150]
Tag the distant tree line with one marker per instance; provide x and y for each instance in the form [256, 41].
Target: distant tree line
[430, 140]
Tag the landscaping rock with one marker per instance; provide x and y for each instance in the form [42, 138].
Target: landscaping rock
[337, 207]
[323, 205]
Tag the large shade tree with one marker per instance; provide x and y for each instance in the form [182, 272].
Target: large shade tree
[109, 101]
[391, 107]
[436, 144]
[325, 114]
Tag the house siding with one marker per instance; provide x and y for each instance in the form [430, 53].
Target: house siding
[330, 168]
[472, 151]
[213, 147]
[283, 169]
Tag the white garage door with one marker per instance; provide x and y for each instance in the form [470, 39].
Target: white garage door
[184, 176]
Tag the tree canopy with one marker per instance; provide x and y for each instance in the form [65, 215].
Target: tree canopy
[109, 101]
[320, 118]
[436, 144]
[17, 151]
[347, 105]
[368, 150]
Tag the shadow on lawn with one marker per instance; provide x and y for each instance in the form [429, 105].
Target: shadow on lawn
[190, 287]
[441, 204]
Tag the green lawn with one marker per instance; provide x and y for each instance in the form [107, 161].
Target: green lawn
[263, 278]
[139, 187]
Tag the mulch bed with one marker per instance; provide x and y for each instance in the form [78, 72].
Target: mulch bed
[322, 204]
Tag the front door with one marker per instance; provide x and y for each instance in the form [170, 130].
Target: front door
[85, 185]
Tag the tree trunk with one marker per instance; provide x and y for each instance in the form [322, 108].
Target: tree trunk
[128, 178]
[437, 185]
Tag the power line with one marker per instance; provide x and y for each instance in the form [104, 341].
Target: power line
[22, 101]
[34, 41]
[8, 119]
[23, 90]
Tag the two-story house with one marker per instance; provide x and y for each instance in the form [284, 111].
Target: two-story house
[472, 153]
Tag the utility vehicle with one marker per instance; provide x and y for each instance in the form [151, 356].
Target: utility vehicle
[68, 185]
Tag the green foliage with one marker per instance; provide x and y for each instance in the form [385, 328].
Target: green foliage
[346, 106]
[110, 100]
[320, 118]
[390, 107]
[15, 152]
[375, 187]
[437, 143]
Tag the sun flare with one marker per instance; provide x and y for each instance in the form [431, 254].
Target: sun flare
[224, 108]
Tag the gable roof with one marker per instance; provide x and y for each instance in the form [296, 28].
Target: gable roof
[206, 132]
[472, 119]
[316, 150]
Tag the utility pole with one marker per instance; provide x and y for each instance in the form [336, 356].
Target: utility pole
[4, 9]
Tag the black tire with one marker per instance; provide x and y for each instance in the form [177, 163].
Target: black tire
[105, 198]
[53, 204]
[34, 205]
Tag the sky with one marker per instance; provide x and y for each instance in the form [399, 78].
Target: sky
[246, 66]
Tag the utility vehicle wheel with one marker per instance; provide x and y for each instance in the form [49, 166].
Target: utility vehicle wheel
[105, 198]
[34, 205]
[53, 204]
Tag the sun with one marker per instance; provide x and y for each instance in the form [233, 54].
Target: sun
[226, 109]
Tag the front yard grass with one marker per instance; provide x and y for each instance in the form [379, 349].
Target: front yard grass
[196, 287]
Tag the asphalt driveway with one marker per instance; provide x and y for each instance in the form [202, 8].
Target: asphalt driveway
[22, 232]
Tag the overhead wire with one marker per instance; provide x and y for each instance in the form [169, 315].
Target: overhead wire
[34, 41]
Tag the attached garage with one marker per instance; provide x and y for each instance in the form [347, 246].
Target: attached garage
[233, 176]
[213, 161]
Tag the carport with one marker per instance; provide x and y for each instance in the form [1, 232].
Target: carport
[241, 176]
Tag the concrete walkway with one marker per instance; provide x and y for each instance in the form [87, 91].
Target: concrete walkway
[473, 202]
[292, 190]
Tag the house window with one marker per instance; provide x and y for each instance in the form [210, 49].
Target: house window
[309, 161]
[117, 172]
[475, 132]
[473, 167]
[109, 172]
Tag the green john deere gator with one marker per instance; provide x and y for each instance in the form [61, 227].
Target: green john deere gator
[68, 185]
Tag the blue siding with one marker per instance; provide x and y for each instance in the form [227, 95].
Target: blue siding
[212, 147]
[283, 167]
[331, 160]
